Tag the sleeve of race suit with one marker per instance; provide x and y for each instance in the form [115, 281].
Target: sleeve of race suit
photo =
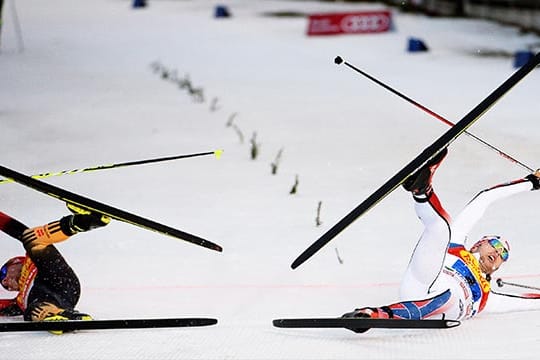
[475, 209]
[9, 307]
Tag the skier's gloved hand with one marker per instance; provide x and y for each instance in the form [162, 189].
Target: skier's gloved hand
[535, 179]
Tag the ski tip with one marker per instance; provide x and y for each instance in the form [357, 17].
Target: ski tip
[300, 260]
[215, 247]
[338, 60]
[208, 321]
[452, 323]
[218, 153]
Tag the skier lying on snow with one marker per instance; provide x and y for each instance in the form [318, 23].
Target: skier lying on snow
[47, 287]
[445, 279]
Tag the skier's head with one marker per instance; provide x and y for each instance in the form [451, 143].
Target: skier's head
[10, 273]
[492, 251]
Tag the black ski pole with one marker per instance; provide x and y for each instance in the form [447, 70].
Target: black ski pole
[217, 153]
[338, 60]
[501, 283]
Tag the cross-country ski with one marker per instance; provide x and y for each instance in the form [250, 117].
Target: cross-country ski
[73, 325]
[362, 325]
[93, 205]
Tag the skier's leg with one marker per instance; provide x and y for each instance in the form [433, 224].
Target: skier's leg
[428, 255]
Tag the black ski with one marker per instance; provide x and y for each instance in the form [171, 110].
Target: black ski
[110, 211]
[71, 325]
[430, 152]
[361, 325]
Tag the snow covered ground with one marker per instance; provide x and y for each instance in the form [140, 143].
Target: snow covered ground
[85, 92]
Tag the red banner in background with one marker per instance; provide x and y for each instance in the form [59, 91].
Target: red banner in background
[350, 23]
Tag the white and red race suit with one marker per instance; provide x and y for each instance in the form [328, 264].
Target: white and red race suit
[443, 278]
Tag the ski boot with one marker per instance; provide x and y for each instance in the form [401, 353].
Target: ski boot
[368, 313]
[83, 219]
[419, 183]
[46, 311]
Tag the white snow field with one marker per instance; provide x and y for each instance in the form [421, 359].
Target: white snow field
[83, 90]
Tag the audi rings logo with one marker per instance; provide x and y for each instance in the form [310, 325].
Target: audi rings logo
[350, 23]
[365, 23]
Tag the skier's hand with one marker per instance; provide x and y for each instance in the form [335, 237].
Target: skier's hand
[535, 179]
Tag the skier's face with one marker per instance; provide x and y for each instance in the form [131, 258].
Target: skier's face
[490, 258]
[11, 281]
